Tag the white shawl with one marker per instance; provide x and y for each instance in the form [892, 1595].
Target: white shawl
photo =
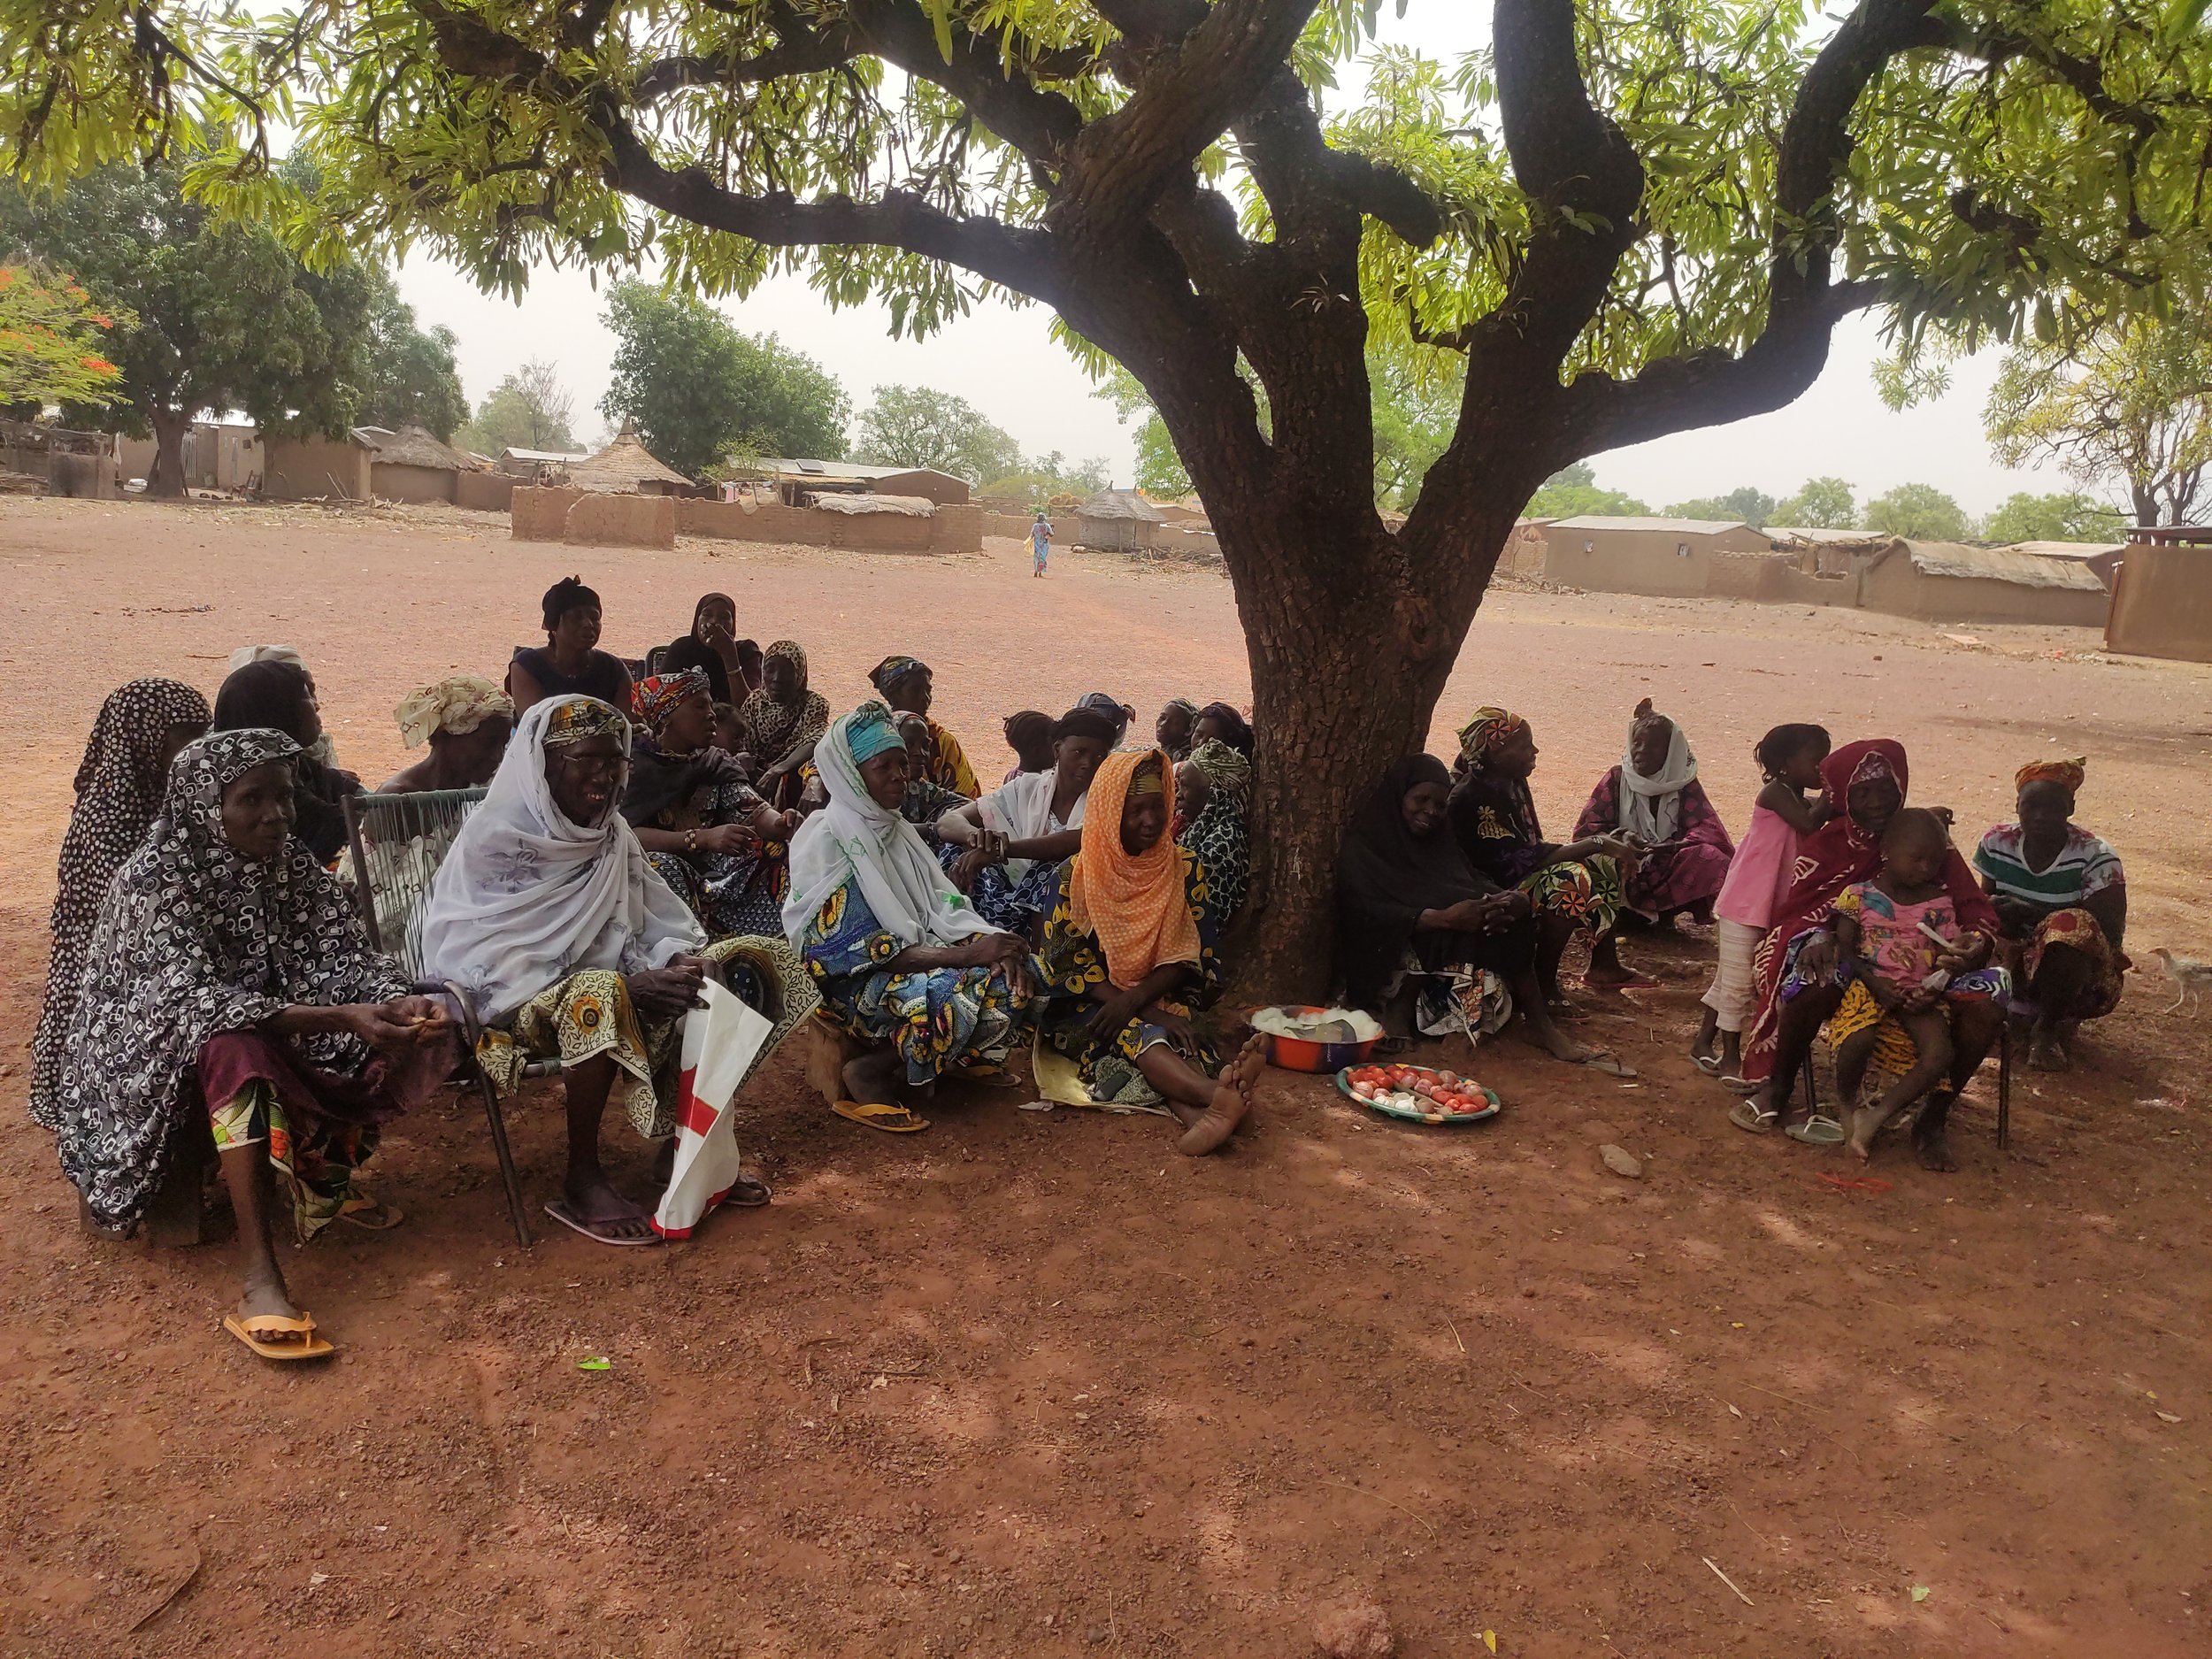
[526, 897]
[1022, 810]
[854, 836]
[1651, 807]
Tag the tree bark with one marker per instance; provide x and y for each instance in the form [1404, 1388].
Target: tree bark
[166, 477]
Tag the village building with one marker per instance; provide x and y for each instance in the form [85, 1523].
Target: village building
[2161, 596]
[1118, 521]
[531, 465]
[625, 467]
[1654, 556]
[1948, 581]
[803, 483]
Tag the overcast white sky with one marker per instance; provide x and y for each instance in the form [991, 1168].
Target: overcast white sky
[1003, 361]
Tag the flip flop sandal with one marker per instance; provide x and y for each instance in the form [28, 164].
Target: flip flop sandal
[988, 1076]
[1740, 1085]
[1818, 1130]
[1754, 1119]
[560, 1212]
[895, 1120]
[272, 1336]
[1708, 1063]
[1610, 1067]
[370, 1213]
[746, 1193]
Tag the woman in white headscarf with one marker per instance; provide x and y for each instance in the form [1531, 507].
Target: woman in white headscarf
[548, 919]
[902, 960]
[1653, 798]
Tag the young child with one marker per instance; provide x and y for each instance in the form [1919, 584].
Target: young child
[1898, 939]
[1789, 758]
[725, 731]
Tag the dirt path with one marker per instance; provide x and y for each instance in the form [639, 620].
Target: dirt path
[1031, 1385]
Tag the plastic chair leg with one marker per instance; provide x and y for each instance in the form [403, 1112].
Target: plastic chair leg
[498, 1121]
[2004, 1086]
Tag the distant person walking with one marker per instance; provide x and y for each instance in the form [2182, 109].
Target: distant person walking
[1040, 544]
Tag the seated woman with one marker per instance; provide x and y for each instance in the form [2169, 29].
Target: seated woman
[119, 783]
[570, 664]
[321, 750]
[900, 959]
[1210, 789]
[711, 646]
[927, 801]
[1799, 982]
[1129, 955]
[1029, 734]
[1172, 730]
[1426, 939]
[780, 723]
[1653, 798]
[466, 720]
[550, 921]
[2062, 903]
[1004, 851]
[1576, 888]
[274, 696]
[907, 685]
[228, 982]
[713, 839]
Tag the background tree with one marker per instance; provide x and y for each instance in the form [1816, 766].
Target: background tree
[408, 375]
[916, 426]
[1573, 492]
[1044, 479]
[1821, 504]
[224, 317]
[1754, 507]
[1920, 512]
[1629, 220]
[2129, 410]
[1159, 468]
[2068, 517]
[702, 393]
[529, 409]
[52, 344]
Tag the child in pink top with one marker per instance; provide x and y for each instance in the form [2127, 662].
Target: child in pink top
[1765, 864]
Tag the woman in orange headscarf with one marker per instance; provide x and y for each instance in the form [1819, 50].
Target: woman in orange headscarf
[1129, 952]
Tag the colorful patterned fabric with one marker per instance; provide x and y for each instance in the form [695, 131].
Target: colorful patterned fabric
[776, 732]
[459, 704]
[937, 1018]
[731, 893]
[1494, 820]
[119, 787]
[2075, 930]
[1588, 893]
[657, 696]
[1074, 965]
[928, 801]
[948, 765]
[575, 719]
[2086, 864]
[1894, 1049]
[2068, 772]
[1688, 869]
[1485, 729]
[590, 1014]
[872, 732]
[1226, 773]
[196, 939]
[1220, 841]
[1133, 902]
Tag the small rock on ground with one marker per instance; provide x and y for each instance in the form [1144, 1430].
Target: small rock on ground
[1354, 1630]
[1621, 1162]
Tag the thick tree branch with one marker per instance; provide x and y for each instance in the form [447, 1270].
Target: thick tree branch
[1039, 123]
[802, 52]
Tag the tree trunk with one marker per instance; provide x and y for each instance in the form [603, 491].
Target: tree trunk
[1346, 675]
[166, 477]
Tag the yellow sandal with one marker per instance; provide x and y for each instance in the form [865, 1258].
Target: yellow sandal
[895, 1120]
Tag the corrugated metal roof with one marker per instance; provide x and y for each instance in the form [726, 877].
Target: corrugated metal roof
[510, 453]
[2001, 564]
[1674, 526]
[2069, 549]
[857, 502]
[1815, 536]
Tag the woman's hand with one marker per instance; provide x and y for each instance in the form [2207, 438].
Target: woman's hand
[1622, 846]
[1818, 959]
[726, 838]
[1179, 1031]
[1113, 1014]
[1971, 952]
[667, 992]
[382, 1026]
[1008, 954]
[426, 1016]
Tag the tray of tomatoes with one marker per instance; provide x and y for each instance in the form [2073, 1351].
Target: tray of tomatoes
[1418, 1094]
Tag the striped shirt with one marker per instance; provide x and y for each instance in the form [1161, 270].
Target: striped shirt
[2084, 865]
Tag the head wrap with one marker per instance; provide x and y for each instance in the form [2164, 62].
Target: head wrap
[855, 839]
[265, 695]
[1651, 803]
[572, 720]
[526, 896]
[458, 704]
[1085, 720]
[1147, 779]
[1236, 730]
[120, 786]
[657, 696]
[794, 653]
[195, 939]
[1226, 773]
[246, 654]
[870, 731]
[1108, 705]
[2068, 772]
[700, 609]
[1188, 707]
[1136, 903]
[892, 670]
[1486, 728]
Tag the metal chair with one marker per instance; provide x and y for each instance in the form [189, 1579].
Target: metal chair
[395, 843]
[2004, 1084]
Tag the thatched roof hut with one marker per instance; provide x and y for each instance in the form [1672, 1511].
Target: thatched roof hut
[1118, 521]
[625, 467]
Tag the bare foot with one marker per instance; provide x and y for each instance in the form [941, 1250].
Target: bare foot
[868, 1080]
[1250, 1061]
[1866, 1123]
[2047, 1053]
[596, 1209]
[1930, 1143]
[1608, 974]
[266, 1296]
[1218, 1121]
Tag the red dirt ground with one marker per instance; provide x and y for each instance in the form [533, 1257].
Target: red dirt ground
[1034, 1384]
